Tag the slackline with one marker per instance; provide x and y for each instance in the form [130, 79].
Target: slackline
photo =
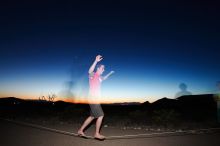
[143, 135]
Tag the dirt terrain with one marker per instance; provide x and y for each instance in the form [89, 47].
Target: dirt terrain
[19, 135]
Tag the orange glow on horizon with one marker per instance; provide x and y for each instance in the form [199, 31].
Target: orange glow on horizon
[80, 100]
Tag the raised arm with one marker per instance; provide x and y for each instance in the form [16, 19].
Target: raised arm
[92, 67]
[106, 76]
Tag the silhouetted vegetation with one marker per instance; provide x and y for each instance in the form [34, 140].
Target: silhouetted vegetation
[186, 111]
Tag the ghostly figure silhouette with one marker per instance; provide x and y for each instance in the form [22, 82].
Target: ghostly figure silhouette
[74, 88]
[217, 99]
[218, 87]
[183, 88]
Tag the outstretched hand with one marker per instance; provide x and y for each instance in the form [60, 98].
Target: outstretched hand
[98, 58]
[109, 74]
[112, 72]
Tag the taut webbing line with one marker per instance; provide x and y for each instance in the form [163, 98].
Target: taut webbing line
[144, 135]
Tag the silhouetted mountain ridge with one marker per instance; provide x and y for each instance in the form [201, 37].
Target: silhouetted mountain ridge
[190, 107]
[161, 103]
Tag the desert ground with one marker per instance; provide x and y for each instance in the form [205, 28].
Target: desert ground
[13, 134]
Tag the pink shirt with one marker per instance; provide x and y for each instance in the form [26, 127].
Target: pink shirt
[94, 84]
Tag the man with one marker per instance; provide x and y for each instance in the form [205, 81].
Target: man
[96, 112]
[184, 91]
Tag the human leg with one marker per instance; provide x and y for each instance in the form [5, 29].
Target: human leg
[85, 124]
[98, 126]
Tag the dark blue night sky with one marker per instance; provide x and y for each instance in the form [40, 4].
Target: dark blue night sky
[152, 47]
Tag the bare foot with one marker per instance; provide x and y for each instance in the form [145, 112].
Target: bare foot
[81, 133]
[99, 137]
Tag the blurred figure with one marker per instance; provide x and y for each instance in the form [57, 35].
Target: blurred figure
[217, 99]
[66, 92]
[217, 91]
[95, 80]
[183, 88]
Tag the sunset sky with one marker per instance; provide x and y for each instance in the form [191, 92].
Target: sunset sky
[152, 46]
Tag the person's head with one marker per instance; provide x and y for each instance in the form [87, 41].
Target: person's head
[183, 86]
[100, 69]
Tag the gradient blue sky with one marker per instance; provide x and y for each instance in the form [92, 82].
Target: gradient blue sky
[151, 46]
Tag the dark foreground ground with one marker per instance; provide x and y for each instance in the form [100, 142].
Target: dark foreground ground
[12, 134]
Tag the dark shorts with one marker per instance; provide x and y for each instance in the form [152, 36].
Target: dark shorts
[96, 110]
